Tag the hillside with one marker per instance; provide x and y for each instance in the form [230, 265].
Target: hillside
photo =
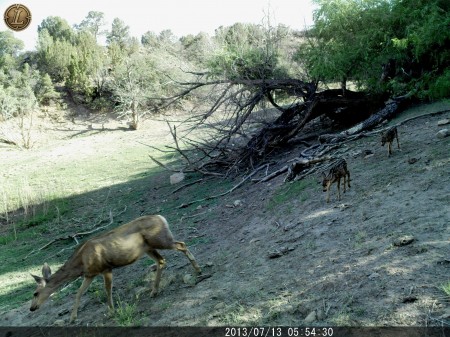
[276, 252]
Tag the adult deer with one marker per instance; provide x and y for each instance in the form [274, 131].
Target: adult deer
[101, 254]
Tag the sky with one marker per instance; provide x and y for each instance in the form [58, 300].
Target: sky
[183, 17]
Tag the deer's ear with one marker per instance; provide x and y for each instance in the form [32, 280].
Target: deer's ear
[38, 279]
[46, 271]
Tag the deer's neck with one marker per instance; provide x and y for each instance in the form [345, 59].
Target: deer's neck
[71, 270]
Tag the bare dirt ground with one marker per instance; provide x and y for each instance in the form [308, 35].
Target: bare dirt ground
[278, 254]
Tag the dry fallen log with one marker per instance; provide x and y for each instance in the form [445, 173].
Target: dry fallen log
[300, 165]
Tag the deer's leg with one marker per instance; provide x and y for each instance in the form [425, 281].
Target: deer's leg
[339, 188]
[328, 192]
[348, 179]
[107, 277]
[389, 148]
[345, 180]
[398, 144]
[86, 283]
[181, 246]
[160, 262]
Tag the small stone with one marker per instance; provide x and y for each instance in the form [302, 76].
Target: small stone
[403, 240]
[312, 316]
[443, 133]
[320, 314]
[59, 322]
[443, 121]
[409, 299]
[373, 276]
[275, 254]
[176, 178]
[189, 279]
[237, 203]
[446, 314]
[219, 306]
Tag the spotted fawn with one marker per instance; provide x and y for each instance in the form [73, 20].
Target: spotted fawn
[388, 137]
[337, 171]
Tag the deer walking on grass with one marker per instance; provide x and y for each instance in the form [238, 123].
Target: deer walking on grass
[388, 137]
[100, 255]
[337, 171]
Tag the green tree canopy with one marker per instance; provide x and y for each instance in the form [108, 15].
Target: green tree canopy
[353, 40]
[119, 34]
[58, 28]
[93, 23]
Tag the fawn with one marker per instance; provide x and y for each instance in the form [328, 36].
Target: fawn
[337, 171]
[388, 137]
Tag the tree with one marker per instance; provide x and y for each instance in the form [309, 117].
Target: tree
[355, 40]
[132, 84]
[58, 28]
[346, 41]
[119, 34]
[197, 48]
[45, 91]
[9, 45]
[54, 56]
[85, 64]
[93, 23]
[9, 50]
[150, 40]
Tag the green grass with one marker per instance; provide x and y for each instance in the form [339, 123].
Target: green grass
[286, 193]
[125, 314]
[49, 200]
[446, 289]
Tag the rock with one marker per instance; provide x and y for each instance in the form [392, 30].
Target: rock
[189, 279]
[373, 276]
[446, 314]
[237, 203]
[443, 122]
[409, 299]
[312, 316]
[59, 322]
[403, 240]
[275, 254]
[413, 160]
[320, 315]
[219, 306]
[176, 178]
[442, 133]
[444, 262]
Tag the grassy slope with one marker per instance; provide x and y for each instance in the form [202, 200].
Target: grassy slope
[70, 187]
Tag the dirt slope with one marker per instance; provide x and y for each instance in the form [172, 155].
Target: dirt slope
[281, 253]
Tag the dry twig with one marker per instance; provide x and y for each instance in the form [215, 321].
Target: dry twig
[75, 236]
[226, 192]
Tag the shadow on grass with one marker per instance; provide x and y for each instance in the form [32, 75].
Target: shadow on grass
[23, 238]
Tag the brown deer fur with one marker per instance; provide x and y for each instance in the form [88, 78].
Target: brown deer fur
[337, 171]
[388, 137]
[116, 248]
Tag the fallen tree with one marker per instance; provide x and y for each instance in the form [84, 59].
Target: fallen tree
[223, 139]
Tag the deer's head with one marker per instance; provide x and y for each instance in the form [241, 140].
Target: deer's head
[42, 292]
[326, 181]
